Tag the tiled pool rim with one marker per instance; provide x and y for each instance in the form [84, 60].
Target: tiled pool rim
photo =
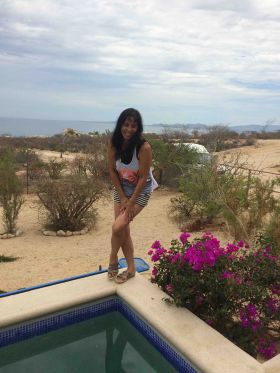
[50, 323]
[200, 344]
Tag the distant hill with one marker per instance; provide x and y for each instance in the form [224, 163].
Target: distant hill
[256, 128]
[189, 127]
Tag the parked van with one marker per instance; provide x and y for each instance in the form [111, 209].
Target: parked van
[204, 156]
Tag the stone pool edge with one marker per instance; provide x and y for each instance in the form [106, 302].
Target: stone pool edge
[205, 348]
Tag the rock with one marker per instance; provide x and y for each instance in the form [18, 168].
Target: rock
[19, 233]
[61, 233]
[10, 235]
[49, 233]
[69, 233]
[76, 233]
[84, 230]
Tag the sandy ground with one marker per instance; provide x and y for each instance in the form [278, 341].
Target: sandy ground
[264, 156]
[43, 259]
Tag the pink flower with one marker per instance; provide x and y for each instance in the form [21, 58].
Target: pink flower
[273, 304]
[238, 280]
[169, 288]
[249, 317]
[184, 237]
[156, 245]
[157, 254]
[199, 299]
[154, 271]
[175, 258]
[227, 275]
[275, 289]
[150, 252]
[267, 348]
[210, 322]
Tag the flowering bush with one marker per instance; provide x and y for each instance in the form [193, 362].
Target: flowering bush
[235, 289]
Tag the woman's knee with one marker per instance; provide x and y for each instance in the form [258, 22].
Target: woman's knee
[118, 229]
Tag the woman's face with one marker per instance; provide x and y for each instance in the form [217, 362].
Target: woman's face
[128, 129]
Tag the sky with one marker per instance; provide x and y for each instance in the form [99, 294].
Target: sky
[180, 61]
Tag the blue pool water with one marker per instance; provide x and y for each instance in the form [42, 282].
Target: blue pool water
[105, 336]
[108, 343]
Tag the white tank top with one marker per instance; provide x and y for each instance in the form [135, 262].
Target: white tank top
[129, 176]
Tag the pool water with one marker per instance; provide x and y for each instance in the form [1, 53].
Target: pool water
[107, 343]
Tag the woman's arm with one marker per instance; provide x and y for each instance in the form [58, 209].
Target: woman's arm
[114, 173]
[145, 162]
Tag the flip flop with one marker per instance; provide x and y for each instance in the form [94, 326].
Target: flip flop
[113, 270]
[123, 277]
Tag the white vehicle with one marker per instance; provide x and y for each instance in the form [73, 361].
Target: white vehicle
[204, 156]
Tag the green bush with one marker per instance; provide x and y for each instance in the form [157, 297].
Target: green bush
[11, 198]
[270, 234]
[54, 168]
[167, 156]
[68, 202]
[234, 289]
[243, 201]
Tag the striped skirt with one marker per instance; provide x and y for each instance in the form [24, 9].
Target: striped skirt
[142, 199]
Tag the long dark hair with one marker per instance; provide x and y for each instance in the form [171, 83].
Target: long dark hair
[117, 138]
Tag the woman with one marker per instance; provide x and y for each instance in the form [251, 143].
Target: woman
[130, 159]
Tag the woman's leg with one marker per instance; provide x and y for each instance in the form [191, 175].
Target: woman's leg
[114, 240]
[128, 250]
[121, 237]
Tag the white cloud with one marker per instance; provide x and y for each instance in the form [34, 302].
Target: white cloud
[196, 51]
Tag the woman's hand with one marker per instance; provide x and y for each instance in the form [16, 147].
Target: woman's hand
[129, 211]
[124, 202]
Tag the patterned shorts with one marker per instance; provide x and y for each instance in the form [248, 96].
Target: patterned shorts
[142, 200]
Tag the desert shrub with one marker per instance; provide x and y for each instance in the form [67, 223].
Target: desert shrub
[98, 168]
[36, 169]
[219, 137]
[270, 234]
[25, 155]
[68, 202]
[234, 289]
[197, 199]
[245, 202]
[96, 159]
[79, 165]
[166, 156]
[11, 189]
[250, 140]
[54, 168]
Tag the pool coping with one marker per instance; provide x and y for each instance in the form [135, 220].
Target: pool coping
[203, 346]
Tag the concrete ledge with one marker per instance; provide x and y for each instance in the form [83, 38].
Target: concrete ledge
[272, 365]
[36, 303]
[204, 347]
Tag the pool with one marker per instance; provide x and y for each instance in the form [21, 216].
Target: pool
[106, 336]
[173, 331]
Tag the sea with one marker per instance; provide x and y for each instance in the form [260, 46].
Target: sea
[46, 127]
